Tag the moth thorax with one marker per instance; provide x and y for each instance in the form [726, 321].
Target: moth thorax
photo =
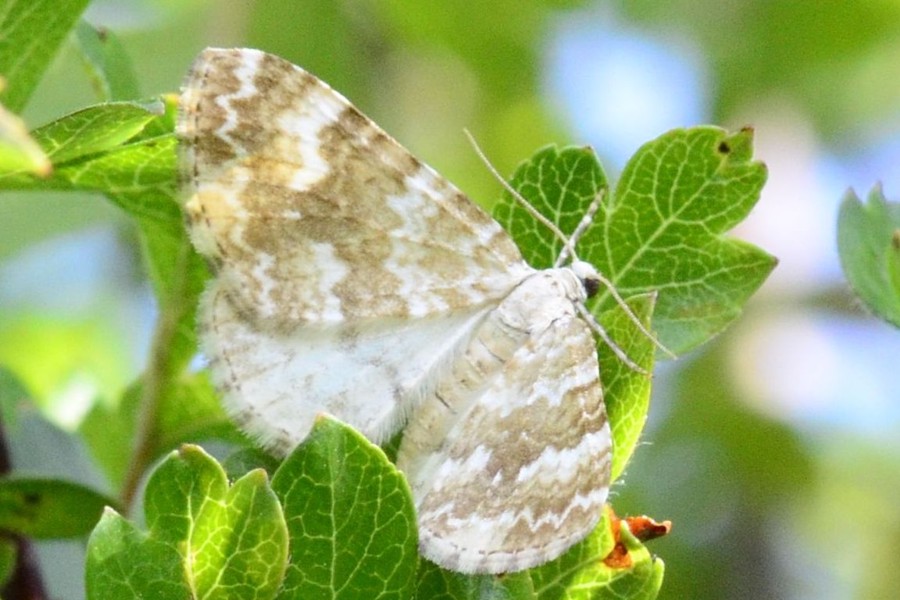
[588, 276]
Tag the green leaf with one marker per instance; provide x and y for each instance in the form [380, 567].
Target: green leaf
[94, 130]
[439, 584]
[869, 247]
[239, 546]
[659, 239]
[582, 574]
[205, 539]
[660, 231]
[139, 177]
[626, 391]
[663, 230]
[350, 516]
[106, 148]
[560, 184]
[111, 69]
[31, 32]
[178, 491]
[123, 562]
[48, 508]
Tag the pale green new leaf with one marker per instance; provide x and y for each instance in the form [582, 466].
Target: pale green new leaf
[206, 539]
[178, 490]
[238, 546]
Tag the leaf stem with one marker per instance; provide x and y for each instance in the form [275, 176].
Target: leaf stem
[157, 376]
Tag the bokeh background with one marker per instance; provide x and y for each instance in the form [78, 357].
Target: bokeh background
[775, 449]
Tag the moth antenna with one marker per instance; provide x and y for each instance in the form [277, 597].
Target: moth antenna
[601, 333]
[568, 246]
[585, 222]
[634, 319]
[568, 250]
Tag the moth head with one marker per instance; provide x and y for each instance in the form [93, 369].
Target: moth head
[588, 276]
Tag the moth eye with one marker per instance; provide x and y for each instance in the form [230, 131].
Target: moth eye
[591, 286]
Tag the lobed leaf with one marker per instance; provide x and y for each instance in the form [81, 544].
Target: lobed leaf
[663, 231]
[659, 234]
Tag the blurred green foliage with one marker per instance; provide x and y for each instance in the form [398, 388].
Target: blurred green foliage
[761, 508]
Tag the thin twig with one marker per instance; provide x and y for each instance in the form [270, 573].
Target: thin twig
[156, 378]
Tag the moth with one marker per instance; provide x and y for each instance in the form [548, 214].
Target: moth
[352, 279]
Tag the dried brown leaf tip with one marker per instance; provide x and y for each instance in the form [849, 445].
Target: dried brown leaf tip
[643, 528]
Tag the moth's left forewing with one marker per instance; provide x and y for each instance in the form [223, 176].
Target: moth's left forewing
[312, 214]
